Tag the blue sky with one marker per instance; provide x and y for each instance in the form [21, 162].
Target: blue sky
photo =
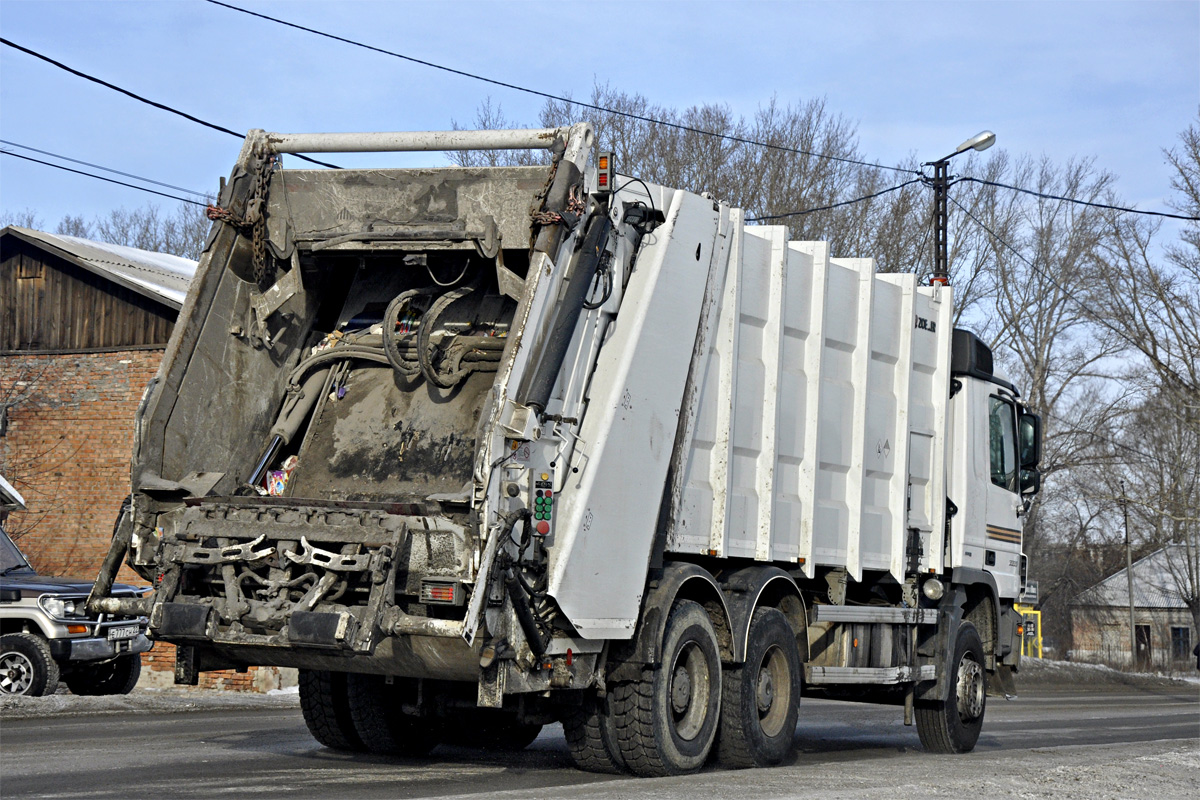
[1114, 81]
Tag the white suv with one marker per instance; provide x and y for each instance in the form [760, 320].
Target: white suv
[46, 633]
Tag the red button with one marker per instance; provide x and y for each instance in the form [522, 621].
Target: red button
[543, 528]
[549, 493]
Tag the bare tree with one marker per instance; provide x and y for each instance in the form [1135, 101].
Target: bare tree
[74, 226]
[1044, 262]
[491, 118]
[26, 218]
[1150, 296]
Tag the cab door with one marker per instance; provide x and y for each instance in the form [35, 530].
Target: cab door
[1002, 542]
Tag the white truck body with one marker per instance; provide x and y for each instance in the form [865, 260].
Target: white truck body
[712, 465]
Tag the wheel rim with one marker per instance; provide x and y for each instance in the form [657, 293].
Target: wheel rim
[773, 691]
[16, 673]
[971, 689]
[689, 691]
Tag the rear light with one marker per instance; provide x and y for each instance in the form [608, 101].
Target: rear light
[442, 591]
[604, 173]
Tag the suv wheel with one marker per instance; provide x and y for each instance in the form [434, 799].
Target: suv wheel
[26, 667]
[112, 677]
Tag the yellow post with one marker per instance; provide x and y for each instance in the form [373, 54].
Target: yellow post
[1031, 639]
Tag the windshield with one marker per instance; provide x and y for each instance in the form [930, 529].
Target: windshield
[10, 557]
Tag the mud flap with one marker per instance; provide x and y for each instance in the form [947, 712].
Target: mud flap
[318, 629]
[1001, 682]
[182, 620]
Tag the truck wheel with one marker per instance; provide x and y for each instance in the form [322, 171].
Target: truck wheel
[592, 736]
[667, 721]
[118, 676]
[26, 666]
[326, 709]
[760, 699]
[952, 725]
[379, 720]
[488, 730]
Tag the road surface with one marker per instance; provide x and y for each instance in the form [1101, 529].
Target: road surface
[1104, 742]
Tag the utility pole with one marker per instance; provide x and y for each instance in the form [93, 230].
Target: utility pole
[941, 237]
[941, 186]
[1129, 581]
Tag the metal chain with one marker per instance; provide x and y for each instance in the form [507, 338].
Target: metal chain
[254, 219]
[575, 206]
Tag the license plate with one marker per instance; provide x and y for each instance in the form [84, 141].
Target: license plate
[123, 632]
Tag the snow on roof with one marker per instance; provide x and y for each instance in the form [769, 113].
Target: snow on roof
[156, 275]
[10, 498]
[1154, 583]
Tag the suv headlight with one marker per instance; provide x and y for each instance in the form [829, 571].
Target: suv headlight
[58, 607]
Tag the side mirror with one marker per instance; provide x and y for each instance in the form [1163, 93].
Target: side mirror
[1030, 440]
[1031, 481]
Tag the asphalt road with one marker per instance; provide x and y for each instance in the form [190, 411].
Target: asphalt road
[1036, 746]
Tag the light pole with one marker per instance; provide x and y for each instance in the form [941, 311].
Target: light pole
[941, 185]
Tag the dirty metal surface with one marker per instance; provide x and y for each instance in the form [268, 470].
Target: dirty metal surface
[387, 440]
[324, 204]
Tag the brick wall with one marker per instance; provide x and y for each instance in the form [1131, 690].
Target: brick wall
[66, 448]
[66, 445]
[158, 671]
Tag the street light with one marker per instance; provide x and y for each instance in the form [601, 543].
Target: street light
[941, 184]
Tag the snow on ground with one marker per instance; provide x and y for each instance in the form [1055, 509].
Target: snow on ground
[145, 701]
[1047, 672]
[1034, 672]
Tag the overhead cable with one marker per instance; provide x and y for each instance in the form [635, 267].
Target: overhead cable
[106, 169]
[1070, 296]
[835, 205]
[140, 99]
[102, 178]
[557, 98]
[1077, 201]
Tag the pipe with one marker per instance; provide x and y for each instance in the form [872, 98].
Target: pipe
[118, 547]
[416, 141]
[122, 606]
[408, 625]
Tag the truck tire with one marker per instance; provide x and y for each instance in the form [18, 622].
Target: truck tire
[381, 724]
[486, 729]
[760, 700]
[952, 725]
[667, 721]
[118, 676]
[26, 666]
[326, 708]
[592, 736]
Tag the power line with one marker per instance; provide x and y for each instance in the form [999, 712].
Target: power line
[1070, 296]
[1078, 201]
[835, 205]
[106, 169]
[102, 178]
[140, 99]
[547, 96]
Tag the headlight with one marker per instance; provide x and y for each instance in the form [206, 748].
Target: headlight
[57, 607]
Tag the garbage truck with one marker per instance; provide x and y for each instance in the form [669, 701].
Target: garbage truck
[478, 449]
